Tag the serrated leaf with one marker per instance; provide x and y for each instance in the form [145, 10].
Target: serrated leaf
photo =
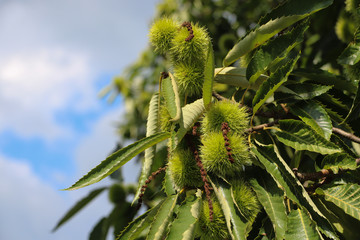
[271, 198]
[285, 178]
[338, 161]
[354, 112]
[314, 115]
[190, 114]
[136, 227]
[300, 226]
[273, 51]
[346, 196]
[300, 136]
[208, 75]
[168, 184]
[304, 91]
[162, 218]
[351, 54]
[236, 76]
[100, 230]
[170, 92]
[117, 159]
[151, 128]
[325, 78]
[183, 227]
[78, 206]
[269, 86]
[280, 18]
[237, 224]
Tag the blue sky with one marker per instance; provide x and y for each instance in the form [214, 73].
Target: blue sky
[55, 56]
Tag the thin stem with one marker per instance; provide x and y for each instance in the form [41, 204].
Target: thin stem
[350, 136]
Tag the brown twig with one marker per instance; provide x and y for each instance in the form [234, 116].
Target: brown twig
[323, 173]
[218, 96]
[350, 136]
[261, 127]
[225, 130]
[147, 182]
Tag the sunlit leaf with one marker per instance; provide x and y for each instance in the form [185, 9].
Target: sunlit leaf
[208, 76]
[183, 227]
[338, 161]
[300, 226]
[170, 92]
[351, 54]
[117, 159]
[300, 136]
[151, 128]
[346, 196]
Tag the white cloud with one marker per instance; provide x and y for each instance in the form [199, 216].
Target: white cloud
[30, 208]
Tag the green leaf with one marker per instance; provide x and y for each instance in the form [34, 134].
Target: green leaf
[339, 161]
[100, 230]
[78, 206]
[183, 227]
[136, 227]
[300, 226]
[117, 159]
[300, 136]
[314, 115]
[269, 86]
[208, 75]
[236, 76]
[279, 19]
[325, 78]
[346, 196]
[271, 198]
[161, 220]
[237, 224]
[354, 112]
[302, 91]
[151, 128]
[351, 54]
[274, 51]
[190, 114]
[285, 178]
[171, 95]
[168, 184]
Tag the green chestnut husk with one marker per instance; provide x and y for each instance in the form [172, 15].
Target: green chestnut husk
[214, 154]
[215, 229]
[161, 34]
[190, 78]
[117, 193]
[225, 111]
[183, 169]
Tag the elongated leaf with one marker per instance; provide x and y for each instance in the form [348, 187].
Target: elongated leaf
[183, 227]
[162, 219]
[171, 94]
[78, 206]
[314, 115]
[269, 86]
[279, 19]
[338, 161]
[151, 128]
[300, 136]
[136, 227]
[346, 196]
[302, 91]
[190, 114]
[351, 54]
[100, 230]
[271, 198]
[236, 76]
[236, 223]
[274, 51]
[117, 159]
[285, 178]
[300, 226]
[354, 112]
[325, 78]
[208, 75]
